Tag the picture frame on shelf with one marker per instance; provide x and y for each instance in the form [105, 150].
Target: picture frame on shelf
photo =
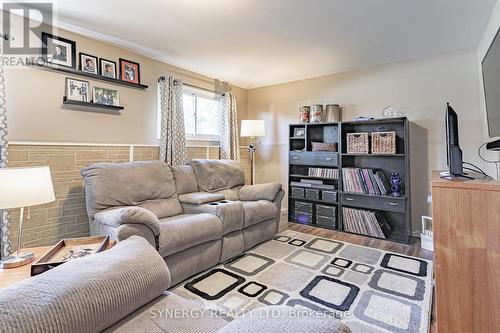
[105, 96]
[299, 132]
[107, 68]
[88, 63]
[58, 50]
[77, 90]
[130, 71]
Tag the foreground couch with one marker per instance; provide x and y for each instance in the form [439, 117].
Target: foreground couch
[115, 291]
[196, 215]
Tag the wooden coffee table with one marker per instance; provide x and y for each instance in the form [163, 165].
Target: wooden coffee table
[13, 275]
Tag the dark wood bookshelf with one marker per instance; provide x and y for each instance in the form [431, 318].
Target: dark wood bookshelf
[91, 105]
[395, 210]
[72, 71]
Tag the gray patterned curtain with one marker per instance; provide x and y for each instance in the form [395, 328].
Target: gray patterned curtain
[173, 134]
[229, 134]
[5, 246]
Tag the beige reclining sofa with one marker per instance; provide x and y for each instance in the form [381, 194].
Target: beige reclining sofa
[195, 215]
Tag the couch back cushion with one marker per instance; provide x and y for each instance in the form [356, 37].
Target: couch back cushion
[147, 184]
[217, 175]
[185, 180]
[87, 294]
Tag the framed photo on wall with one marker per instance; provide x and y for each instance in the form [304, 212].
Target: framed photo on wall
[58, 51]
[130, 71]
[88, 63]
[77, 90]
[106, 96]
[107, 68]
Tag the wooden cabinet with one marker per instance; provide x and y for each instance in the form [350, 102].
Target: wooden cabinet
[466, 219]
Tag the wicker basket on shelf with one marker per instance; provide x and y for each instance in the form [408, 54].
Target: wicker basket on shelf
[358, 143]
[384, 142]
[321, 146]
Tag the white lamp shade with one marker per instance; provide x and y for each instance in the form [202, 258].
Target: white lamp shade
[253, 128]
[22, 187]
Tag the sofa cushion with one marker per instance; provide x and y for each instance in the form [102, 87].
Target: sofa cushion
[258, 211]
[87, 294]
[200, 198]
[183, 231]
[216, 175]
[185, 180]
[230, 193]
[260, 192]
[147, 184]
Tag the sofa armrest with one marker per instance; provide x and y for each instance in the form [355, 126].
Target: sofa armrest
[129, 216]
[260, 192]
[200, 198]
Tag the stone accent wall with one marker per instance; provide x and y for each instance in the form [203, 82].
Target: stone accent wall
[66, 217]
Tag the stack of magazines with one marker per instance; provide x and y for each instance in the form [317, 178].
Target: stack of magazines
[367, 181]
[313, 184]
[366, 222]
[324, 173]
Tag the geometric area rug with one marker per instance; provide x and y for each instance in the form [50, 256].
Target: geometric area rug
[368, 289]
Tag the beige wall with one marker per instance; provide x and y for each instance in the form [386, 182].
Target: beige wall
[35, 111]
[419, 88]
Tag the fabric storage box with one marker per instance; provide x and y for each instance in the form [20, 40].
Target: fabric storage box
[312, 193]
[321, 146]
[326, 221]
[298, 192]
[304, 207]
[302, 217]
[384, 142]
[326, 211]
[358, 143]
[329, 196]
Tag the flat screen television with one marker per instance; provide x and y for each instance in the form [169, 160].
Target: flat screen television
[453, 151]
[491, 83]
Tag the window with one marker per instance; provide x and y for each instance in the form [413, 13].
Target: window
[201, 115]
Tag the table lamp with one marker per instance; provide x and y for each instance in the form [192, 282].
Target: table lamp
[252, 129]
[19, 188]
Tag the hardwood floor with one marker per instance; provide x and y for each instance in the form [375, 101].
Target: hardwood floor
[412, 249]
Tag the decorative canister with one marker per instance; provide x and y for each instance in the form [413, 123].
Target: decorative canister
[333, 113]
[305, 112]
[316, 113]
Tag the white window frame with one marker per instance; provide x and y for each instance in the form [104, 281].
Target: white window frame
[201, 93]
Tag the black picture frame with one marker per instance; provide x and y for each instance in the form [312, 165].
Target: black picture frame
[83, 98]
[122, 77]
[101, 68]
[96, 61]
[45, 39]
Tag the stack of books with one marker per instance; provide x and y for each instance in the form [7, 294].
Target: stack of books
[367, 181]
[324, 173]
[366, 222]
[310, 183]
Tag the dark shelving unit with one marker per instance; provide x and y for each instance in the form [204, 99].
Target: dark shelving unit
[395, 210]
[72, 71]
[91, 105]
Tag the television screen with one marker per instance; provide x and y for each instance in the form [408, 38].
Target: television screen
[491, 79]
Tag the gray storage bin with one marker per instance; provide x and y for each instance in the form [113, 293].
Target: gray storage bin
[312, 193]
[326, 222]
[326, 211]
[302, 217]
[298, 192]
[304, 207]
[329, 196]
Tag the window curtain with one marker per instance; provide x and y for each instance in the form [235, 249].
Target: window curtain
[229, 134]
[5, 244]
[173, 134]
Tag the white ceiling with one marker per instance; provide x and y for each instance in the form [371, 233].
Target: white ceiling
[253, 43]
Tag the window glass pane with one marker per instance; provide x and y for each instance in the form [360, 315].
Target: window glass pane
[189, 114]
[207, 120]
